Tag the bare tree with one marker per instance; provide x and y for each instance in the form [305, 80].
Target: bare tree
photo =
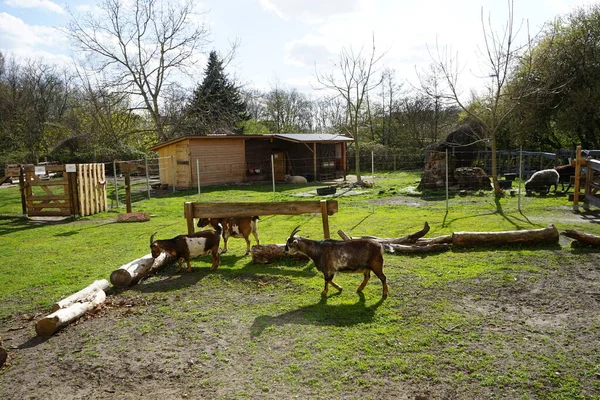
[140, 45]
[500, 57]
[352, 79]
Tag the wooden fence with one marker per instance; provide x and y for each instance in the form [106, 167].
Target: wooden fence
[63, 190]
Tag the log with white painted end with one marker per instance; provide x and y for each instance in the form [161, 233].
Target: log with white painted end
[50, 324]
[84, 295]
[131, 273]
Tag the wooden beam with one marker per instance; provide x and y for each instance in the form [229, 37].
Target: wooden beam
[223, 210]
[577, 178]
[325, 219]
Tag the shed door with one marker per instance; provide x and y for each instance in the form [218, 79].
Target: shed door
[182, 161]
[279, 165]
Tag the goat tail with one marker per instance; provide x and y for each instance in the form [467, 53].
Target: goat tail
[219, 228]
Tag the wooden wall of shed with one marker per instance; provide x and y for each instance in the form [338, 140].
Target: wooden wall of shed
[167, 163]
[221, 160]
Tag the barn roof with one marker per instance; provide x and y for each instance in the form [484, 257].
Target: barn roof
[291, 137]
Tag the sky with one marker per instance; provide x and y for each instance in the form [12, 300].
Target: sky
[283, 42]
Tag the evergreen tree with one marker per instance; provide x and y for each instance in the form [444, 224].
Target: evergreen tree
[217, 105]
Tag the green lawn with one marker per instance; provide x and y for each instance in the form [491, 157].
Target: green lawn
[456, 324]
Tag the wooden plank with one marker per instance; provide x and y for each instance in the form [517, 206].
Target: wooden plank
[221, 210]
[37, 213]
[325, 219]
[577, 177]
[53, 197]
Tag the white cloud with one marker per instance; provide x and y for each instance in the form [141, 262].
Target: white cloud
[31, 42]
[309, 10]
[307, 52]
[39, 4]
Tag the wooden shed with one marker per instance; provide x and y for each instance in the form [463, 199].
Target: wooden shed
[247, 158]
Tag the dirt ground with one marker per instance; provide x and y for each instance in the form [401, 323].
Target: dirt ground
[126, 350]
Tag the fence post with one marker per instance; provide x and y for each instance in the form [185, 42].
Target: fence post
[520, 175]
[116, 184]
[447, 181]
[147, 176]
[373, 168]
[273, 175]
[174, 172]
[198, 174]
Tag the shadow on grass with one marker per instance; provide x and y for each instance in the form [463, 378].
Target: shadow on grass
[169, 280]
[320, 314]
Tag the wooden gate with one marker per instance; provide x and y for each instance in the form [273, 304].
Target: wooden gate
[52, 191]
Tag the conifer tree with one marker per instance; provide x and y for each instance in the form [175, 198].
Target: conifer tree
[216, 105]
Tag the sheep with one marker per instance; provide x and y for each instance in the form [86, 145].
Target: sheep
[565, 172]
[541, 181]
[236, 227]
[295, 179]
[184, 247]
[331, 256]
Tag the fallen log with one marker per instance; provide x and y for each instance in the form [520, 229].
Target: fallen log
[84, 295]
[266, 253]
[48, 325]
[408, 239]
[131, 273]
[419, 246]
[548, 235]
[581, 238]
[412, 249]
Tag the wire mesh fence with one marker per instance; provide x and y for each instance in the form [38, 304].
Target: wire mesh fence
[450, 173]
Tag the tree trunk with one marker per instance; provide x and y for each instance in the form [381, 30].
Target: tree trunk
[581, 238]
[266, 253]
[84, 295]
[548, 235]
[48, 325]
[131, 273]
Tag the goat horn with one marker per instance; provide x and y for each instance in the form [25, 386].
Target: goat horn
[152, 238]
[296, 230]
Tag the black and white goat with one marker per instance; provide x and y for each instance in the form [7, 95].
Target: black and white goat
[185, 247]
[240, 227]
[331, 256]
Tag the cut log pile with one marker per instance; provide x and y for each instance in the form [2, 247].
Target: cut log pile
[75, 306]
[72, 308]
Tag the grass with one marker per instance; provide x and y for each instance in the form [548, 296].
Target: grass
[439, 331]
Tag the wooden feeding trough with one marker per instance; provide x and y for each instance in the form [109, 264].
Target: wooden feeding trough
[326, 190]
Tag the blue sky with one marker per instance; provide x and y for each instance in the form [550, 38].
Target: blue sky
[283, 40]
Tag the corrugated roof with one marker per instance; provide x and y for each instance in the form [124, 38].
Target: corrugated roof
[313, 137]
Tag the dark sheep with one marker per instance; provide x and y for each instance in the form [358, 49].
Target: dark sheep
[565, 172]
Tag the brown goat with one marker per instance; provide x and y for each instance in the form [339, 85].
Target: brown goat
[185, 247]
[236, 227]
[331, 256]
